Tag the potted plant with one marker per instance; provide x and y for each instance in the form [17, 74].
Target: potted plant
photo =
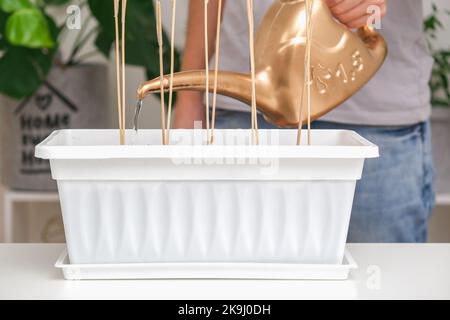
[42, 91]
[440, 99]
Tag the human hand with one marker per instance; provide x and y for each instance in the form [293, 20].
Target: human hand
[353, 13]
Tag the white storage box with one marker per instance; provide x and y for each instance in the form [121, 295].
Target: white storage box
[190, 202]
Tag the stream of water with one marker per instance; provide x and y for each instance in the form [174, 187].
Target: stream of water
[137, 112]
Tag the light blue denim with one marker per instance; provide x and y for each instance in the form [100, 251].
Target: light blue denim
[394, 199]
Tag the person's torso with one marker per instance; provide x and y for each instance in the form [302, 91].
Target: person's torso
[397, 95]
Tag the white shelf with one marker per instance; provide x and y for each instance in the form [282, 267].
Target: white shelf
[10, 197]
[29, 196]
[443, 199]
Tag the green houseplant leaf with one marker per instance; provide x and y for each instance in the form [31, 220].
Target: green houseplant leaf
[29, 28]
[3, 18]
[56, 2]
[440, 77]
[14, 5]
[23, 69]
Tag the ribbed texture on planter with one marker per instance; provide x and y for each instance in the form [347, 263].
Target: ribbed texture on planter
[223, 221]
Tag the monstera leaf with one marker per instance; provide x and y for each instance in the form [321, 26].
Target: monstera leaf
[141, 41]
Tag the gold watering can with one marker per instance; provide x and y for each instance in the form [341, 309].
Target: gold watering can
[342, 62]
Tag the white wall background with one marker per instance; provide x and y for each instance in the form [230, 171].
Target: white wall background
[443, 40]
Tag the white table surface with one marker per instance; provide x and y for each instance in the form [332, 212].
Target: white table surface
[386, 271]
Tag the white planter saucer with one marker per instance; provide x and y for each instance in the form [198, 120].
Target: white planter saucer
[285, 271]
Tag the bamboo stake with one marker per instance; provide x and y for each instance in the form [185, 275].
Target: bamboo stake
[161, 69]
[301, 104]
[307, 76]
[172, 69]
[124, 13]
[205, 10]
[119, 88]
[216, 71]
[253, 73]
[309, 4]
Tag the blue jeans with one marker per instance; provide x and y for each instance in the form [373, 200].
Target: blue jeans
[394, 199]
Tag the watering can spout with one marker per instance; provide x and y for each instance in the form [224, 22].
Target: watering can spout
[232, 84]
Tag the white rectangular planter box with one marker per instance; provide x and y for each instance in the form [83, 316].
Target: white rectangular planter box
[190, 202]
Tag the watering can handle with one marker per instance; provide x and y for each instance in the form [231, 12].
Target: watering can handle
[371, 38]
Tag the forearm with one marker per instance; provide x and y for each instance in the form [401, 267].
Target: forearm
[194, 51]
[190, 103]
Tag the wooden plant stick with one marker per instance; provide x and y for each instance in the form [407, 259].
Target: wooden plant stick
[216, 71]
[252, 67]
[301, 103]
[118, 72]
[205, 21]
[161, 69]
[124, 13]
[306, 90]
[309, 45]
[172, 69]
